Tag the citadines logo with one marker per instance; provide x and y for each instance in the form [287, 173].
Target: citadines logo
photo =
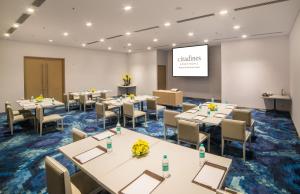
[189, 58]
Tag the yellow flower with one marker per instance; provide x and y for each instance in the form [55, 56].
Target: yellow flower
[212, 106]
[140, 148]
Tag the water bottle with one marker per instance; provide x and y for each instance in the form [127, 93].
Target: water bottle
[109, 144]
[201, 155]
[208, 112]
[32, 98]
[118, 128]
[165, 167]
[199, 106]
[212, 100]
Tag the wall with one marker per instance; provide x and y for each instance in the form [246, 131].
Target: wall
[253, 66]
[84, 68]
[295, 72]
[201, 87]
[143, 68]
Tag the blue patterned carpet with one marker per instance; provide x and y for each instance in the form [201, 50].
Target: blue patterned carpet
[272, 165]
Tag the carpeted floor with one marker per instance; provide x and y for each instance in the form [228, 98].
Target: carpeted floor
[272, 165]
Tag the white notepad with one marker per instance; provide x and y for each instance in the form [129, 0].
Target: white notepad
[210, 176]
[104, 135]
[88, 155]
[145, 184]
[230, 107]
[219, 115]
[199, 118]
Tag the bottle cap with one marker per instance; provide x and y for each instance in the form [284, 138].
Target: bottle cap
[165, 156]
[202, 145]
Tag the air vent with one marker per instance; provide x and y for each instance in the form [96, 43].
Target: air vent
[11, 30]
[195, 18]
[227, 38]
[260, 5]
[112, 37]
[38, 3]
[265, 34]
[22, 18]
[89, 43]
[146, 29]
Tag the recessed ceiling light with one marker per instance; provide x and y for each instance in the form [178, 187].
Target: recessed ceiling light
[236, 27]
[129, 44]
[30, 10]
[174, 44]
[167, 24]
[191, 34]
[205, 40]
[127, 8]
[129, 50]
[101, 39]
[50, 40]
[109, 48]
[155, 40]
[149, 48]
[128, 33]
[88, 24]
[223, 12]
[16, 25]
[6, 34]
[66, 34]
[244, 36]
[83, 45]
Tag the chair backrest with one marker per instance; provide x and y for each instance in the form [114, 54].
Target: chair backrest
[169, 118]
[103, 95]
[188, 131]
[57, 176]
[78, 134]
[82, 98]
[128, 109]
[234, 129]
[6, 104]
[242, 115]
[39, 113]
[66, 98]
[187, 106]
[100, 109]
[10, 115]
[151, 104]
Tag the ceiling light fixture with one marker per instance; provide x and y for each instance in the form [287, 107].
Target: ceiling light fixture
[16, 25]
[167, 24]
[191, 34]
[129, 50]
[149, 48]
[6, 34]
[155, 40]
[88, 24]
[129, 44]
[30, 10]
[83, 45]
[127, 8]
[66, 34]
[223, 12]
[174, 44]
[50, 40]
[244, 36]
[205, 40]
[236, 27]
[101, 39]
[128, 33]
[109, 48]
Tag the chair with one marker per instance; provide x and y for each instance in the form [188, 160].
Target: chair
[69, 101]
[59, 180]
[15, 112]
[12, 118]
[78, 134]
[169, 121]
[187, 106]
[84, 101]
[129, 112]
[47, 119]
[153, 107]
[188, 132]
[234, 130]
[244, 115]
[102, 113]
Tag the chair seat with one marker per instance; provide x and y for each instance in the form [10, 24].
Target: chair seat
[138, 113]
[16, 112]
[160, 107]
[248, 134]
[110, 107]
[202, 137]
[52, 118]
[18, 118]
[82, 184]
[72, 101]
[110, 114]
[90, 102]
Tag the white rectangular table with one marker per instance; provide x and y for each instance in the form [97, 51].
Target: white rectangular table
[115, 170]
[46, 103]
[276, 97]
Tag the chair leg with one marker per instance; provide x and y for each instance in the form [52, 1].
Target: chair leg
[103, 122]
[208, 143]
[146, 121]
[11, 126]
[165, 132]
[133, 122]
[156, 115]
[62, 124]
[244, 151]
[41, 128]
[222, 152]
[124, 120]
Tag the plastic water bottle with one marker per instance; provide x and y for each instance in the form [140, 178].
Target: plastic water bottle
[165, 167]
[32, 98]
[109, 144]
[118, 128]
[212, 100]
[208, 112]
[200, 106]
[201, 155]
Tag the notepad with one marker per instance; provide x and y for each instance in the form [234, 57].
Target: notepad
[104, 135]
[210, 176]
[144, 184]
[192, 111]
[230, 107]
[220, 115]
[90, 154]
[199, 118]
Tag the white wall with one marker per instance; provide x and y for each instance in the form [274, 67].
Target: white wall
[84, 68]
[295, 73]
[199, 87]
[143, 69]
[251, 67]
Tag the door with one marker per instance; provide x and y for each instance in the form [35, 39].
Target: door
[44, 76]
[161, 77]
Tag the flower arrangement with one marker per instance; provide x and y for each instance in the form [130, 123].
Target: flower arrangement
[127, 80]
[212, 107]
[140, 148]
[131, 96]
[93, 90]
[40, 98]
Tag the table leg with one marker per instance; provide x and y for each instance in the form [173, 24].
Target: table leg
[275, 108]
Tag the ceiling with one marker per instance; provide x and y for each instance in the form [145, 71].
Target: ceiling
[54, 17]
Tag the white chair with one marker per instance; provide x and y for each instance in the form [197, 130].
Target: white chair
[85, 101]
[69, 101]
[48, 119]
[130, 112]
[104, 114]
[170, 121]
[187, 106]
[59, 180]
[244, 115]
[78, 134]
[234, 130]
[152, 107]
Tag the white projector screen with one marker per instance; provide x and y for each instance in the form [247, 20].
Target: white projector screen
[190, 61]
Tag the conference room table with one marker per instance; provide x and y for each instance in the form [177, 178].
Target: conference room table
[93, 94]
[202, 115]
[32, 104]
[115, 170]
